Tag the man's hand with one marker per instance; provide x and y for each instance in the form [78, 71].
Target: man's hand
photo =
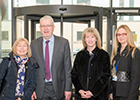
[33, 96]
[67, 95]
[111, 96]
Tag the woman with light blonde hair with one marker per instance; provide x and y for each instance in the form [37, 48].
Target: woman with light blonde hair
[91, 70]
[95, 32]
[125, 61]
[18, 73]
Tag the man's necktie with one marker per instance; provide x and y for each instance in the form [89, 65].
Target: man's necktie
[47, 62]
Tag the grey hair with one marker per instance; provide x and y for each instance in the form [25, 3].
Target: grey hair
[47, 17]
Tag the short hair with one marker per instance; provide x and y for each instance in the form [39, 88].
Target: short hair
[16, 43]
[47, 17]
[130, 41]
[95, 32]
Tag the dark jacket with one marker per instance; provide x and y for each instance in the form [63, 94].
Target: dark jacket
[8, 92]
[129, 89]
[98, 76]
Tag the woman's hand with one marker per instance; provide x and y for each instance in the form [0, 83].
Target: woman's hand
[89, 94]
[18, 98]
[83, 93]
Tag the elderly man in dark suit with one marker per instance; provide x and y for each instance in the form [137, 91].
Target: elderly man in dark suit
[53, 77]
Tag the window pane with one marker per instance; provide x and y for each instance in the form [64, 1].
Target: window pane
[43, 1]
[83, 1]
[5, 35]
[126, 3]
[38, 34]
[79, 36]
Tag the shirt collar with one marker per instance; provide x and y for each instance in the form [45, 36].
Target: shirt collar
[51, 39]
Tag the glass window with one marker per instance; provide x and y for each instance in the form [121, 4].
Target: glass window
[79, 35]
[83, 1]
[5, 52]
[131, 3]
[43, 1]
[20, 26]
[5, 35]
[74, 29]
[7, 11]
[104, 34]
[126, 3]
[38, 34]
[121, 3]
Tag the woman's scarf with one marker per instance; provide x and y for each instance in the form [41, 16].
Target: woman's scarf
[20, 75]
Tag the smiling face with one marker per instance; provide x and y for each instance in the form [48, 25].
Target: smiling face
[46, 28]
[21, 49]
[122, 36]
[90, 40]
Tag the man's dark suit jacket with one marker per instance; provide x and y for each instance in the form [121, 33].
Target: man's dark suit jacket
[60, 67]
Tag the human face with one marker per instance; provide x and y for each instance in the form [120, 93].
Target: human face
[122, 36]
[90, 40]
[46, 28]
[22, 49]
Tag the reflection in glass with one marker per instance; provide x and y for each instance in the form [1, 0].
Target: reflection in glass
[104, 34]
[20, 26]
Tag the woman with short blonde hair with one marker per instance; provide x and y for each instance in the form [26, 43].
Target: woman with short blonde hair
[18, 72]
[16, 43]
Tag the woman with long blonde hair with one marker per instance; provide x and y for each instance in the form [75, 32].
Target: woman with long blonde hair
[125, 61]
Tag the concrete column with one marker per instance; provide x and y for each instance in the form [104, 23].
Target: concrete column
[2, 15]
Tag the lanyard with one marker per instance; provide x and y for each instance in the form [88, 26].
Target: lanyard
[116, 66]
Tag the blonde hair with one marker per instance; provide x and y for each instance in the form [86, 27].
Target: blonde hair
[130, 41]
[16, 43]
[95, 32]
[48, 18]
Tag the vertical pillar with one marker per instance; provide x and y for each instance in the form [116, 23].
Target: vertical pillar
[26, 29]
[0, 34]
[13, 23]
[2, 15]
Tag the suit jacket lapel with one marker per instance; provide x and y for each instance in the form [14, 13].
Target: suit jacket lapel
[55, 49]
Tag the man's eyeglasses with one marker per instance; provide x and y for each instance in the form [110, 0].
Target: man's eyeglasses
[123, 34]
[48, 26]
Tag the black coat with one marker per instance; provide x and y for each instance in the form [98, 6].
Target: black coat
[132, 65]
[98, 76]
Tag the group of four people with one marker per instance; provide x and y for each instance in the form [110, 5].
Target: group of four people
[43, 70]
